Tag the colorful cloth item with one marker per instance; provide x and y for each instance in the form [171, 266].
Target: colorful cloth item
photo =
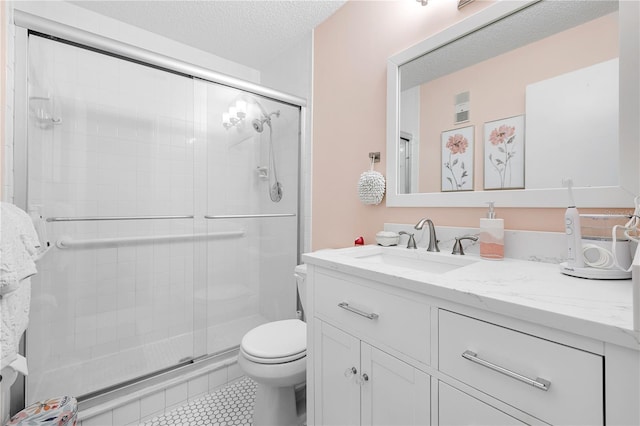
[62, 411]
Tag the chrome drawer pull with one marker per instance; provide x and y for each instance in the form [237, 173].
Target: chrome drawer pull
[345, 305]
[538, 383]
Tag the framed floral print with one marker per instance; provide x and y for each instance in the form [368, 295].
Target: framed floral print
[504, 153]
[457, 159]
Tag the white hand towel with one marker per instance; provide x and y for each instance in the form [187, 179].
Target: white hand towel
[14, 314]
[19, 246]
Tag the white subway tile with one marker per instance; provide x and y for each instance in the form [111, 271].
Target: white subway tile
[198, 386]
[176, 395]
[152, 404]
[85, 339]
[217, 378]
[127, 414]
[104, 419]
[234, 372]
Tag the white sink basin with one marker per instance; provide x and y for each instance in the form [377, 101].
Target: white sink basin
[418, 260]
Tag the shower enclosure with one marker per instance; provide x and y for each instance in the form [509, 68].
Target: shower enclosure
[171, 206]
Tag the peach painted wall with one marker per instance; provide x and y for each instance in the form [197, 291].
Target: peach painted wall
[349, 102]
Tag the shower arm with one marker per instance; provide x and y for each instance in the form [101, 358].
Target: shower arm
[266, 118]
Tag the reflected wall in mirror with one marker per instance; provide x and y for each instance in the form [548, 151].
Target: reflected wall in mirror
[553, 62]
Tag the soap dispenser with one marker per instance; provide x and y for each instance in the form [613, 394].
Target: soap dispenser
[491, 236]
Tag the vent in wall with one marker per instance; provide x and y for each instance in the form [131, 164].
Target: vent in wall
[461, 107]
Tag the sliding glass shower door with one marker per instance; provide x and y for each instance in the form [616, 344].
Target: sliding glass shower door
[166, 244]
[252, 188]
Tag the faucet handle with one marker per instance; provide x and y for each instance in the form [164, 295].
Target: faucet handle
[411, 244]
[457, 246]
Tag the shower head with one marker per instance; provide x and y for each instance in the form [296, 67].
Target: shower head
[258, 125]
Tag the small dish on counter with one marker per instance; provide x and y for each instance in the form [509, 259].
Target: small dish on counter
[387, 238]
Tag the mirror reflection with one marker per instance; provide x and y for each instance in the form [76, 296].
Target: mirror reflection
[520, 103]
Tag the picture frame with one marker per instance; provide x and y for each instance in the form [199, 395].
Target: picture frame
[457, 159]
[504, 153]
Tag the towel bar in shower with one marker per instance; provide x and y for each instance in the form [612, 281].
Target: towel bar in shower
[91, 218]
[67, 242]
[249, 216]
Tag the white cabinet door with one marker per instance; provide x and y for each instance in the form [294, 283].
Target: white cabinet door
[456, 408]
[358, 384]
[393, 392]
[337, 394]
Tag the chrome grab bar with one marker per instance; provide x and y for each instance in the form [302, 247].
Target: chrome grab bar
[249, 216]
[92, 218]
[66, 242]
[538, 383]
[371, 316]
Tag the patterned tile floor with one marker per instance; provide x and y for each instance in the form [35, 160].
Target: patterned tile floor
[229, 406]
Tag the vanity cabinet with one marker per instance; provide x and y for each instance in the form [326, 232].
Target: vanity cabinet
[358, 384]
[382, 354]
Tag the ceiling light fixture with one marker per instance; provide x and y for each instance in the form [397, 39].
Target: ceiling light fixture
[423, 2]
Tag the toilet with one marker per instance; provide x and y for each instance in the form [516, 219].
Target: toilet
[8, 376]
[274, 355]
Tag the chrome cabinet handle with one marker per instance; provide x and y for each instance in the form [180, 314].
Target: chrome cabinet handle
[538, 383]
[371, 316]
[350, 372]
[362, 380]
[365, 379]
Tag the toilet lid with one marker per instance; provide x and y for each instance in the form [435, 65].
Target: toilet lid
[275, 340]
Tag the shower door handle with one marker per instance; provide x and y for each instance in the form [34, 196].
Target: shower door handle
[107, 218]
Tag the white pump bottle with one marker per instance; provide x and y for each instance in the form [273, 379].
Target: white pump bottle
[491, 236]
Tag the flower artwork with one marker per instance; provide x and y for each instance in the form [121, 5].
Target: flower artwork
[504, 153]
[457, 160]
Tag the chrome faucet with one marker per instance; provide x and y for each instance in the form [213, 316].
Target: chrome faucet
[411, 243]
[457, 246]
[433, 240]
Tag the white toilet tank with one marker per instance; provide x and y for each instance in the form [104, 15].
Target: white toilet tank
[300, 273]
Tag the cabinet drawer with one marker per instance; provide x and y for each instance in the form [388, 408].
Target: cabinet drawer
[499, 361]
[456, 408]
[401, 323]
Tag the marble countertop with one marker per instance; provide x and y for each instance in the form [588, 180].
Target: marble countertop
[532, 291]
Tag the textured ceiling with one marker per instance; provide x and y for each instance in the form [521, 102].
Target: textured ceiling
[250, 32]
[531, 24]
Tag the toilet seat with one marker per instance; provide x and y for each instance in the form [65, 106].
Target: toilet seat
[276, 342]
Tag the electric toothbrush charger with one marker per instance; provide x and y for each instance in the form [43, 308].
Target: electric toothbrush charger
[594, 273]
